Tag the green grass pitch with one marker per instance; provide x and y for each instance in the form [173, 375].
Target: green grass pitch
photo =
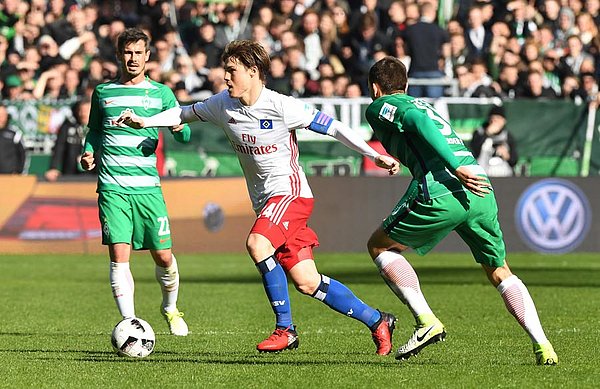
[58, 312]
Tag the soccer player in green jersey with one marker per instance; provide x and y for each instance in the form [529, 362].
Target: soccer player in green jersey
[130, 200]
[449, 191]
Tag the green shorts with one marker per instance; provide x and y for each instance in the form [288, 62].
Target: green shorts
[422, 226]
[137, 219]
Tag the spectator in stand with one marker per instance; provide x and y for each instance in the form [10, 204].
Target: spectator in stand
[72, 84]
[206, 41]
[49, 53]
[367, 7]
[309, 32]
[509, 84]
[26, 71]
[571, 89]
[399, 52]
[551, 73]
[493, 145]
[521, 20]
[230, 27]
[69, 142]
[589, 86]
[459, 53]
[529, 51]
[164, 55]
[576, 57]
[363, 45]
[566, 27]
[396, 21]
[354, 91]
[107, 38]
[478, 38]
[299, 84]
[545, 40]
[548, 14]
[587, 28]
[341, 82]
[535, 87]
[593, 8]
[427, 44]
[11, 146]
[277, 78]
[277, 27]
[330, 43]
[471, 85]
[341, 20]
[50, 84]
[196, 78]
[260, 33]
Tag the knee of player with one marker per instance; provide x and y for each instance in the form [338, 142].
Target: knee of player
[307, 285]
[374, 248]
[258, 247]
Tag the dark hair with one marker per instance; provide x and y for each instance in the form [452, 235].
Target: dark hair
[390, 74]
[131, 35]
[248, 53]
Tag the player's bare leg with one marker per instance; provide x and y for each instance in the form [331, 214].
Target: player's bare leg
[400, 276]
[519, 303]
[340, 298]
[121, 280]
[167, 275]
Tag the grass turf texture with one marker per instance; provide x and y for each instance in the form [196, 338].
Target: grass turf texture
[58, 312]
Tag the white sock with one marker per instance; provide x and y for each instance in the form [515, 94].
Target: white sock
[168, 278]
[402, 279]
[520, 304]
[121, 282]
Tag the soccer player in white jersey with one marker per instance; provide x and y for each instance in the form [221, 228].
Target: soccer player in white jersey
[130, 200]
[261, 124]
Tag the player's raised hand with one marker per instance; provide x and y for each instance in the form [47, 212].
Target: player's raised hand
[479, 185]
[128, 118]
[87, 161]
[389, 163]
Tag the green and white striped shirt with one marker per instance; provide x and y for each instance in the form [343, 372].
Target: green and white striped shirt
[127, 159]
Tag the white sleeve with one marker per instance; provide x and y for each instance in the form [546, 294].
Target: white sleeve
[351, 139]
[172, 117]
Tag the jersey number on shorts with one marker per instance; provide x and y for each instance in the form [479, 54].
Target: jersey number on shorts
[268, 211]
[164, 226]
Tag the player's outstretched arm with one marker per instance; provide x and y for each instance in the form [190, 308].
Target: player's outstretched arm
[352, 140]
[169, 118]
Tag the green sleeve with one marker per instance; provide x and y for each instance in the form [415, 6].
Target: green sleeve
[184, 135]
[93, 138]
[169, 101]
[418, 122]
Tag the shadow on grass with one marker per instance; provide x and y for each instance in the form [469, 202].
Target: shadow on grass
[208, 357]
[234, 358]
[571, 277]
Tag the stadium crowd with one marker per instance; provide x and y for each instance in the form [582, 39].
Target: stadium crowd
[55, 49]
[516, 49]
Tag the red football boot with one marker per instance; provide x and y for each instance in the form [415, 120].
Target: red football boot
[281, 339]
[382, 334]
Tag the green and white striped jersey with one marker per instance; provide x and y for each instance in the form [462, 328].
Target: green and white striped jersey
[127, 159]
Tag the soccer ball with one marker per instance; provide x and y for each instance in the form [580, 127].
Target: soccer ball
[133, 337]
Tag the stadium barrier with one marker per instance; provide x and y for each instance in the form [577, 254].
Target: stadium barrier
[554, 137]
[548, 215]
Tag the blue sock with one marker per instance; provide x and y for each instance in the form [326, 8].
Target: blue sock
[339, 298]
[276, 287]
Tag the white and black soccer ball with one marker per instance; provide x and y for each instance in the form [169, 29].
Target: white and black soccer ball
[133, 337]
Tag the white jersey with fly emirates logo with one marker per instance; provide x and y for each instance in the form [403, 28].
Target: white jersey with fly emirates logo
[264, 139]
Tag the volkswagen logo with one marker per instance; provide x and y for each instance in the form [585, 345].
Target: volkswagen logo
[553, 216]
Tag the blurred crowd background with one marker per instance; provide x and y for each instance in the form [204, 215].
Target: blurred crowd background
[517, 49]
[521, 49]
